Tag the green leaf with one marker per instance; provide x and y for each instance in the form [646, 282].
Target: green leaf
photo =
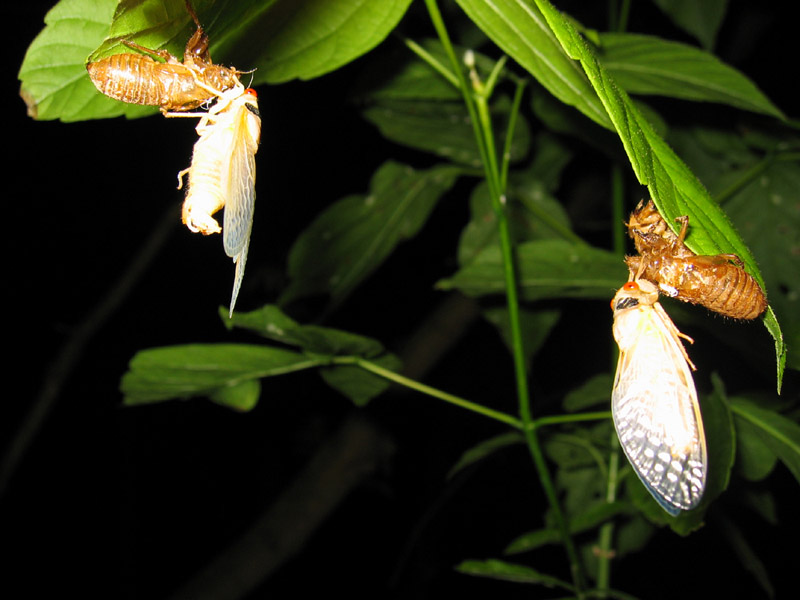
[241, 397]
[748, 557]
[154, 24]
[358, 385]
[519, 29]
[276, 40]
[535, 326]
[778, 433]
[287, 39]
[754, 459]
[408, 77]
[272, 323]
[55, 84]
[674, 188]
[498, 569]
[350, 239]
[547, 269]
[588, 519]
[644, 64]
[700, 19]
[443, 128]
[484, 449]
[172, 372]
[594, 391]
[533, 214]
[767, 204]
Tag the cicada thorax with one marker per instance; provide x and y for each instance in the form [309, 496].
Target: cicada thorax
[717, 282]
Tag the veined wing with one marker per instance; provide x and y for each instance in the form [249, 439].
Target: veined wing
[655, 408]
[238, 184]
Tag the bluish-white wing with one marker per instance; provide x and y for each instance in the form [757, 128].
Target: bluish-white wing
[239, 184]
[657, 415]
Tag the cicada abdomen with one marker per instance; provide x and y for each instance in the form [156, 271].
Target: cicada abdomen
[223, 174]
[654, 402]
[717, 282]
[171, 85]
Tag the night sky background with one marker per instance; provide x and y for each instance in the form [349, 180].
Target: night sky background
[115, 502]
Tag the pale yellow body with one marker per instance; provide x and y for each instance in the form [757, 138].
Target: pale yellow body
[223, 174]
[654, 401]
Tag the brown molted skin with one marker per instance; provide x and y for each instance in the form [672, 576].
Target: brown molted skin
[170, 85]
[711, 281]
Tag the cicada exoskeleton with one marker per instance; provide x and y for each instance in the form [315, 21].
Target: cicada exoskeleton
[718, 282]
[171, 85]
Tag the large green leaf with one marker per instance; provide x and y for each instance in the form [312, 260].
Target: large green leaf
[644, 64]
[591, 517]
[498, 569]
[352, 381]
[674, 188]
[778, 433]
[159, 374]
[443, 128]
[55, 84]
[272, 323]
[547, 269]
[275, 40]
[520, 30]
[700, 19]
[350, 239]
[303, 39]
[532, 213]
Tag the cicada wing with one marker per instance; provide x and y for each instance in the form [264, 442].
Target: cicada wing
[657, 415]
[240, 187]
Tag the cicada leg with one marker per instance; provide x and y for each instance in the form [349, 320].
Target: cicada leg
[162, 54]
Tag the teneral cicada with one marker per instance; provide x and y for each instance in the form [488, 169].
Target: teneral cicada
[171, 85]
[654, 401]
[718, 282]
[223, 173]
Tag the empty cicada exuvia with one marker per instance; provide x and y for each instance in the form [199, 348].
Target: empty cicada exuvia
[718, 282]
[223, 174]
[171, 85]
[654, 401]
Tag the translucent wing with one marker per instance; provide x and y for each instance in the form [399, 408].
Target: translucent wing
[238, 185]
[655, 407]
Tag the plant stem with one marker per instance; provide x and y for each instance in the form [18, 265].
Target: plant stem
[476, 100]
[559, 419]
[425, 389]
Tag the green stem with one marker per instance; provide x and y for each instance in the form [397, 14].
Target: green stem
[606, 538]
[425, 389]
[432, 61]
[476, 101]
[617, 201]
[560, 419]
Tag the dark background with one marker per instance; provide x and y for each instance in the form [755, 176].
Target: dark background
[130, 503]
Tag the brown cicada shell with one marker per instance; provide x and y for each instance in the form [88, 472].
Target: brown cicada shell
[718, 282]
[171, 85]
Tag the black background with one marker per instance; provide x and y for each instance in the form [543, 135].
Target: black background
[129, 503]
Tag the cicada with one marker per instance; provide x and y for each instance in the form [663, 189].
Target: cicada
[171, 85]
[223, 174]
[718, 282]
[654, 401]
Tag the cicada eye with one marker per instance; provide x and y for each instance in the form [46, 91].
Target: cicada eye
[631, 286]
